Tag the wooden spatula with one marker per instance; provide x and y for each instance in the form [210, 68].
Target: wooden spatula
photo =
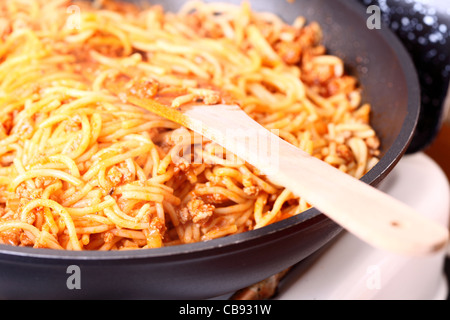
[373, 216]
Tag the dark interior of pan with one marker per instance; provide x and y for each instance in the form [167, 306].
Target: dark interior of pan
[209, 269]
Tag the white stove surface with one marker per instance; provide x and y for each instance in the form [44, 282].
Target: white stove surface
[352, 270]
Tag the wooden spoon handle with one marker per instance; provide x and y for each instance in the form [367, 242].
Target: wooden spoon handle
[363, 210]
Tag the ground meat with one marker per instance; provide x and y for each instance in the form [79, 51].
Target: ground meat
[182, 166]
[202, 26]
[311, 35]
[23, 191]
[73, 124]
[120, 174]
[196, 210]
[345, 84]
[194, 21]
[199, 210]
[24, 128]
[345, 153]
[290, 52]
[212, 99]
[11, 237]
[43, 182]
[251, 190]
[108, 237]
[29, 217]
[214, 198]
[115, 176]
[144, 89]
[25, 241]
[157, 225]
[183, 214]
[7, 121]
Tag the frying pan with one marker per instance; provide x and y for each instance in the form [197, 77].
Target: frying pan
[213, 268]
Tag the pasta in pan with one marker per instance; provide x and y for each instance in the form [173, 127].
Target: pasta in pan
[84, 168]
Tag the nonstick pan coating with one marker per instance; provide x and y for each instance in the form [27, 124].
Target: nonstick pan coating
[209, 269]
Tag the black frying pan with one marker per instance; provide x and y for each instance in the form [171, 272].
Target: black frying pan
[213, 268]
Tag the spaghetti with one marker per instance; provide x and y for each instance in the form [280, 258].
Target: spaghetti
[83, 168]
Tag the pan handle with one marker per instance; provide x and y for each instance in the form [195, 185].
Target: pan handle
[424, 29]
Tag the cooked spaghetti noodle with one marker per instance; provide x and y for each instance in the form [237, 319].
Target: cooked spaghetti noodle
[83, 168]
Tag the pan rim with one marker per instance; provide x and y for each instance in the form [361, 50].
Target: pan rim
[390, 159]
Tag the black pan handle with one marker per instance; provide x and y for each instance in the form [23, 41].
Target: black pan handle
[424, 29]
